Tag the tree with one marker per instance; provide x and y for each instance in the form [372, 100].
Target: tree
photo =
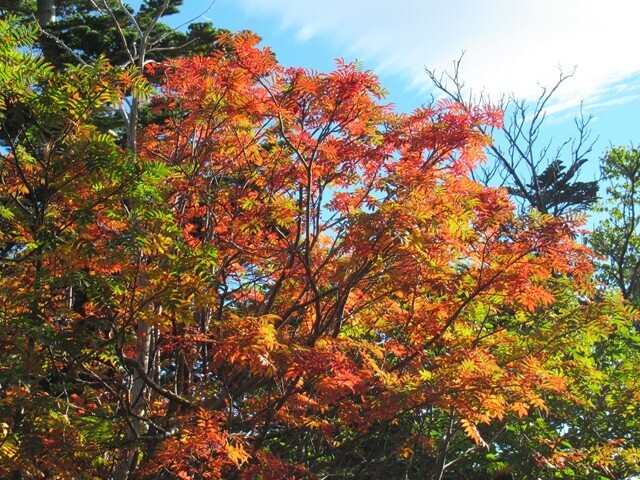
[60, 174]
[80, 31]
[87, 32]
[595, 434]
[286, 279]
[616, 236]
[536, 176]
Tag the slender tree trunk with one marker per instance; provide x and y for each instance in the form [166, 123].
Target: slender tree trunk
[46, 12]
[146, 340]
[46, 15]
[147, 335]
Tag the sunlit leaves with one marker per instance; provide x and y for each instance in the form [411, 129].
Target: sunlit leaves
[287, 278]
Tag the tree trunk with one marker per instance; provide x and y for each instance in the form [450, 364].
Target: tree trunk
[137, 400]
[47, 15]
[46, 12]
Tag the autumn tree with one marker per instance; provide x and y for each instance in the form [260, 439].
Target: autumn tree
[594, 436]
[285, 279]
[82, 33]
[60, 175]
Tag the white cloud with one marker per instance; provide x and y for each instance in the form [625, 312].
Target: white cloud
[511, 45]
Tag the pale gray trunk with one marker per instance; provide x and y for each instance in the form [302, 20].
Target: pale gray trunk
[137, 401]
[46, 15]
[146, 335]
[46, 12]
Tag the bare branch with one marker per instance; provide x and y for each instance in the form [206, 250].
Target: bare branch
[524, 166]
[130, 362]
[60, 43]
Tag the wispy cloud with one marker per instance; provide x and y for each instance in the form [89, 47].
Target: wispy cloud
[511, 46]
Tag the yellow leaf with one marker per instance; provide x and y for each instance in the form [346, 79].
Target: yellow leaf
[472, 432]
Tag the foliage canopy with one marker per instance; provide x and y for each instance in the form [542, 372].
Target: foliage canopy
[287, 279]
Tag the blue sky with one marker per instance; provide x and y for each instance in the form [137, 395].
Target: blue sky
[511, 46]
